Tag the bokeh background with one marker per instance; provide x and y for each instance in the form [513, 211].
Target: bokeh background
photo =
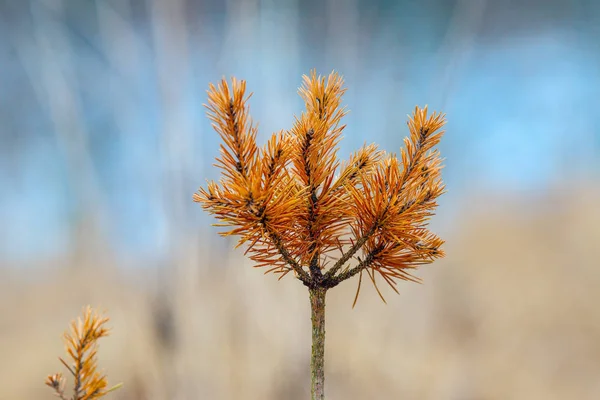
[103, 140]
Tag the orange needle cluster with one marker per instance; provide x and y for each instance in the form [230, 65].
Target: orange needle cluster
[299, 209]
[81, 345]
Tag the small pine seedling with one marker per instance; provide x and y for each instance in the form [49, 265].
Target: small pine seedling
[300, 210]
[81, 345]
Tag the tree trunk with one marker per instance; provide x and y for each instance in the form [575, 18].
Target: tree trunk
[317, 359]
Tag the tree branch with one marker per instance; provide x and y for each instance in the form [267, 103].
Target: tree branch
[302, 275]
[330, 275]
[349, 254]
[349, 273]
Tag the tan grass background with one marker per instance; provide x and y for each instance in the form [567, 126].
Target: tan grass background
[511, 313]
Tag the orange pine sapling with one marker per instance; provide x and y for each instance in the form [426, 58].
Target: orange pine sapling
[300, 210]
[82, 345]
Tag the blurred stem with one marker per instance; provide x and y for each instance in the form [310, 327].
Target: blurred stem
[317, 359]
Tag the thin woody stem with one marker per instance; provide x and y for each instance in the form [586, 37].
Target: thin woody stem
[241, 167]
[315, 270]
[349, 254]
[349, 273]
[333, 280]
[362, 265]
[317, 359]
[79, 364]
[302, 275]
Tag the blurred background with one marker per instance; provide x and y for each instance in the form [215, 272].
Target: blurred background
[103, 140]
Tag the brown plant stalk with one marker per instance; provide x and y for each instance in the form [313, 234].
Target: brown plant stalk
[81, 345]
[297, 207]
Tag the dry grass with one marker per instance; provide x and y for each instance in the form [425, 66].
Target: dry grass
[510, 314]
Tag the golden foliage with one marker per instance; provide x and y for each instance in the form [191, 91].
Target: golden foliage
[296, 205]
[81, 346]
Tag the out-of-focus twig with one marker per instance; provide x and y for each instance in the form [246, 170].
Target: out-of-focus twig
[47, 58]
[457, 45]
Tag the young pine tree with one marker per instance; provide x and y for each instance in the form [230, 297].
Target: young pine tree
[299, 210]
[81, 343]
